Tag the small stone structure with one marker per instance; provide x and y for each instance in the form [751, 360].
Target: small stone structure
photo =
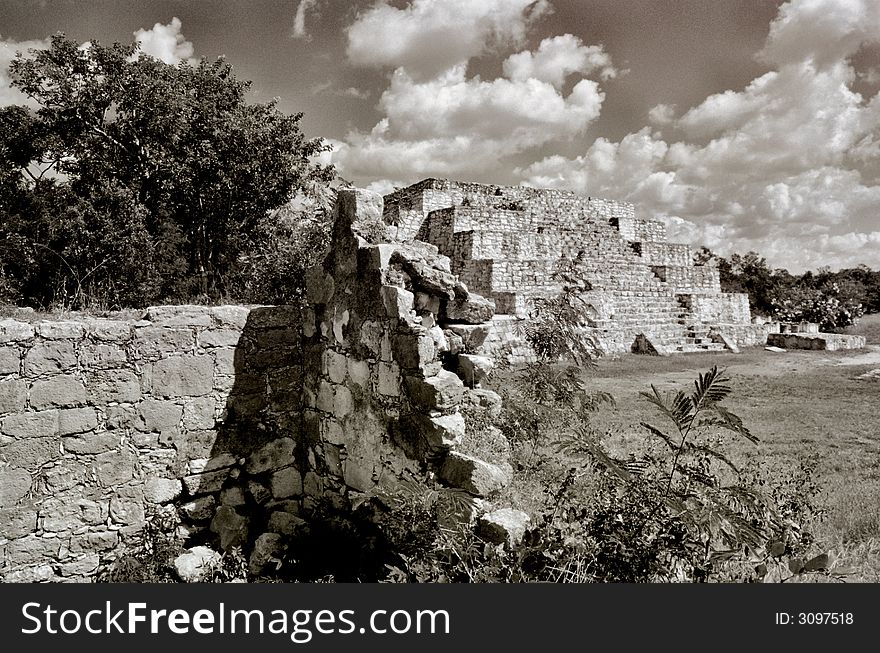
[243, 421]
[507, 243]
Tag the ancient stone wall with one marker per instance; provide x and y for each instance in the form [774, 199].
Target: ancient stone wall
[240, 423]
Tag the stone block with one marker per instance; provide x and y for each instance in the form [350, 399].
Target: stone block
[127, 510]
[504, 526]
[219, 338]
[199, 509]
[473, 310]
[41, 424]
[32, 453]
[442, 392]
[57, 392]
[397, 301]
[50, 358]
[198, 414]
[91, 443]
[60, 330]
[425, 302]
[229, 526]
[194, 564]
[76, 420]
[155, 341]
[286, 483]
[474, 370]
[122, 386]
[162, 490]
[224, 361]
[14, 485]
[17, 521]
[15, 331]
[156, 416]
[32, 550]
[233, 316]
[208, 482]
[96, 356]
[62, 515]
[473, 475]
[13, 396]
[473, 336]
[114, 467]
[265, 555]
[10, 360]
[184, 315]
[388, 381]
[414, 352]
[271, 456]
[84, 566]
[285, 523]
[484, 398]
[436, 433]
[39, 574]
[183, 376]
[110, 330]
[334, 366]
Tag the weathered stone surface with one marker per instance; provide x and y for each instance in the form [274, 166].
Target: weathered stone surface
[219, 338]
[474, 370]
[14, 331]
[398, 302]
[504, 526]
[162, 490]
[31, 425]
[32, 550]
[199, 509]
[110, 330]
[264, 556]
[32, 453]
[76, 420]
[286, 483]
[229, 526]
[434, 434]
[198, 414]
[441, 392]
[186, 315]
[10, 360]
[39, 574]
[50, 357]
[14, 484]
[473, 310]
[205, 483]
[472, 336]
[285, 523]
[60, 330]
[91, 443]
[154, 341]
[473, 475]
[413, 352]
[183, 376]
[484, 398]
[84, 566]
[233, 496]
[194, 564]
[94, 541]
[57, 392]
[233, 316]
[120, 386]
[58, 515]
[13, 395]
[102, 355]
[156, 415]
[127, 510]
[17, 521]
[114, 467]
[271, 456]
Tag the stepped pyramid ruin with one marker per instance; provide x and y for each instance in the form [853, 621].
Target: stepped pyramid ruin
[506, 243]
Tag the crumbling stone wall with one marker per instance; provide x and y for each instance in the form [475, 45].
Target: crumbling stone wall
[241, 422]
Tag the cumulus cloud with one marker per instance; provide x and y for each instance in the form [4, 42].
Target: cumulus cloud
[429, 36]
[788, 166]
[165, 42]
[556, 58]
[8, 50]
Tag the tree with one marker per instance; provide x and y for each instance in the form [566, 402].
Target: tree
[172, 158]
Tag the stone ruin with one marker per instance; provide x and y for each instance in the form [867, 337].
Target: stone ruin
[507, 243]
[247, 424]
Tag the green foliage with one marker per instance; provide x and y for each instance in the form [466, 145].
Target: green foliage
[137, 181]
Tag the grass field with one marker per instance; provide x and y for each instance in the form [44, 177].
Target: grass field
[799, 404]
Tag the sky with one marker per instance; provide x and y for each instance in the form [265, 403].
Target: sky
[742, 124]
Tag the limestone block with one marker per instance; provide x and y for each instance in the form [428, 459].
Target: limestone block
[194, 564]
[50, 357]
[84, 566]
[94, 541]
[258, 492]
[162, 490]
[31, 550]
[10, 360]
[60, 330]
[334, 365]
[442, 392]
[32, 453]
[440, 341]
[224, 360]
[426, 302]
[91, 443]
[219, 338]
[473, 475]
[271, 456]
[101, 356]
[285, 523]
[484, 398]
[76, 420]
[205, 483]
[234, 316]
[398, 302]
[286, 483]
[58, 391]
[473, 336]
[358, 371]
[120, 417]
[473, 310]
[58, 515]
[127, 510]
[414, 351]
[443, 432]
[229, 526]
[15, 331]
[183, 376]
[108, 386]
[114, 467]
[388, 381]
[41, 424]
[380, 255]
[504, 526]
[14, 484]
[186, 315]
[267, 549]
[17, 521]
[153, 341]
[232, 496]
[198, 414]
[13, 396]
[199, 509]
[155, 415]
[110, 330]
[474, 370]
[39, 574]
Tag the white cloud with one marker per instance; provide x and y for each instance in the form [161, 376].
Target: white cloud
[8, 50]
[299, 20]
[556, 58]
[165, 42]
[430, 36]
[788, 166]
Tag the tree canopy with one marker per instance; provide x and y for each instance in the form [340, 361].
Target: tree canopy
[136, 181]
